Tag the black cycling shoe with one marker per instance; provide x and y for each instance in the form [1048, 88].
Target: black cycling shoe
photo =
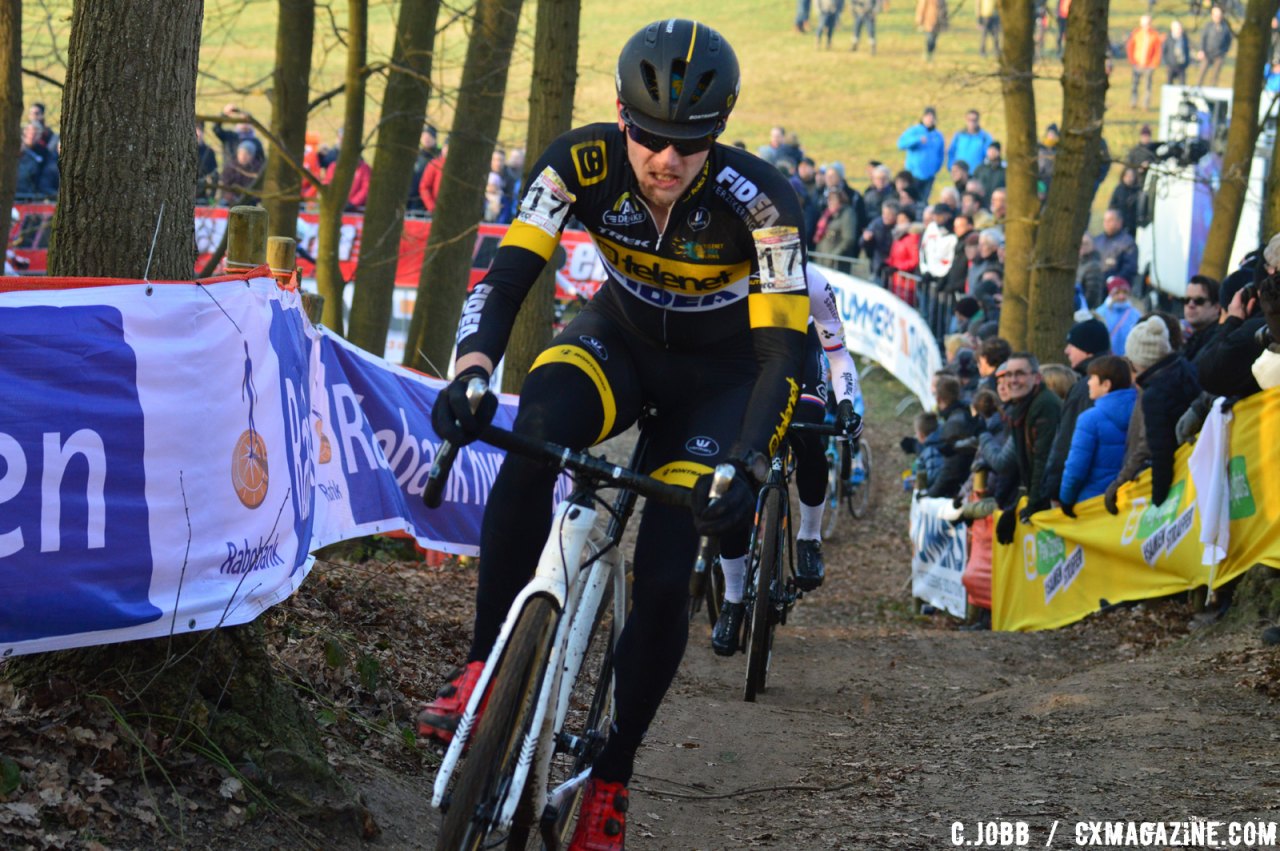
[810, 569]
[724, 638]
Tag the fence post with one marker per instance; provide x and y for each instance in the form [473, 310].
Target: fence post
[246, 238]
[282, 255]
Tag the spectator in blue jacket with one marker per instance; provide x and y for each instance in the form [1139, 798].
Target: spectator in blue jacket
[1098, 442]
[925, 150]
[969, 144]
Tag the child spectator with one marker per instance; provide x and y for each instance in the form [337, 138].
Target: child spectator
[1098, 443]
[1118, 313]
[954, 445]
[925, 446]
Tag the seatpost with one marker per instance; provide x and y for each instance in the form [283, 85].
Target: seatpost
[707, 546]
[433, 493]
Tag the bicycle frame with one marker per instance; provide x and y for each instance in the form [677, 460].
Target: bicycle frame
[576, 591]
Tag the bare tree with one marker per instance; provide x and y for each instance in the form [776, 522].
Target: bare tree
[333, 198]
[1242, 136]
[555, 78]
[403, 110]
[1023, 206]
[290, 91]
[10, 100]
[447, 264]
[1070, 195]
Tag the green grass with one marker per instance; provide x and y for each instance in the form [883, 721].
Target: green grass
[844, 106]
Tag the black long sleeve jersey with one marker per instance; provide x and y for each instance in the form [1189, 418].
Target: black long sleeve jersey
[730, 261]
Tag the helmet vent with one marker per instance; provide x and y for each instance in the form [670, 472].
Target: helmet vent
[704, 83]
[649, 75]
[678, 70]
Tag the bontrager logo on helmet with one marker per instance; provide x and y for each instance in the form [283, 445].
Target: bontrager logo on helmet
[678, 79]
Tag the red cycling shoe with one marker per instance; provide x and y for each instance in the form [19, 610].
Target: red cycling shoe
[439, 718]
[602, 821]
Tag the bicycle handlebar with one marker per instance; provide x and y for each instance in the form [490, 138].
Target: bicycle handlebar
[587, 464]
[824, 429]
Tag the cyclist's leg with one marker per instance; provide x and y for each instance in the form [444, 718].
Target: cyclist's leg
[810, 449]
[582, 389]
[698, 420]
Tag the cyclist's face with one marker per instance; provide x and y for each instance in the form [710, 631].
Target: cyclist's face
[663, 175]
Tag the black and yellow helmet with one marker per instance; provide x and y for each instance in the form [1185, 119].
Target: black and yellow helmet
[677, 78]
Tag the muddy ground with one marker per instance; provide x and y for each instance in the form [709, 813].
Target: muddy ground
[880, 728]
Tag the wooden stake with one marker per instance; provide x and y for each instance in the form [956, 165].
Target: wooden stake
[246, 238]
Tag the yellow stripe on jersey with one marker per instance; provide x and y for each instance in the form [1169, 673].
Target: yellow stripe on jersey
[579, 357]
[682, 474]
[670, 274]
[779, 310]
[532, 238]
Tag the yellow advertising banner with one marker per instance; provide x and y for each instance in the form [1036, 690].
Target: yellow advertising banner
[1058, 569]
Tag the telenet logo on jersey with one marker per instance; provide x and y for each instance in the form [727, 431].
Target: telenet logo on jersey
[670, 274]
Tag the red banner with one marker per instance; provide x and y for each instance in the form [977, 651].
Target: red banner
[580, 271]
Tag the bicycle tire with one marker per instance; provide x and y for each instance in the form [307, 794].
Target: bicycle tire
[837, 460]
[598, 717]
[495, 748]
[858, 500]
[714, 590]
[765, 575]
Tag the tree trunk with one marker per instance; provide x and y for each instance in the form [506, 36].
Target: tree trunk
[446, 267]
[128, 140]
[1075, 169]
[1023, 207]
[282, 184]
[333, 197]
[10, 101]
[1271, 192]
[403, 110]
[555, 77]
[1251, 57]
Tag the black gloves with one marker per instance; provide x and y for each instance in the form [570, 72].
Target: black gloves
[1032, 508]
[452, 417]
[732, 511]
[1069, 509]
[847, 418]
[1006, 526]
[909, 445]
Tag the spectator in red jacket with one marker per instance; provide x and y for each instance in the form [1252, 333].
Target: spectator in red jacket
[429, 188]
[359, 193]
[904, 257]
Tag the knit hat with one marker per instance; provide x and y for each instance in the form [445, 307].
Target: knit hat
[1148, 342]
[1115, 282]
[1090, 336]
[968, 307]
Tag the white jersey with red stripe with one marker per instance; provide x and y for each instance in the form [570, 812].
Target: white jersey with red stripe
[825, 315]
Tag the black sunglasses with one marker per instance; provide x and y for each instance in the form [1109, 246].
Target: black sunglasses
[658, 144]
[1198, 301]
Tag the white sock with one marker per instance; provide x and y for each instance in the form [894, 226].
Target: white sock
[735, 574]
[810, 522]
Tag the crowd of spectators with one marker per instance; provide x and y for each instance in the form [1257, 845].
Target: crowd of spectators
[1008, 427]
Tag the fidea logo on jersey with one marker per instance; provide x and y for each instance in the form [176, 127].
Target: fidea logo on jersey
[73, 508]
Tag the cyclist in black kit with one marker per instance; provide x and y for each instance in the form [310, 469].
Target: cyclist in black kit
[702, 316]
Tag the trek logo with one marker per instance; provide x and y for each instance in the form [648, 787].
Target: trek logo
[597, 348]
[699, 219]
[745, 197]
[624, 239]
[625, 212]
[649, 270]
[703, 446]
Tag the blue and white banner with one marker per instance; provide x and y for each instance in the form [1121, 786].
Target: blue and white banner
[938, 556]
[170, 453]
[880, 326]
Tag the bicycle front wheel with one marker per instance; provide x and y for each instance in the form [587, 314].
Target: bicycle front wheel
[486, 775]
[837, 469]
[858, 492]
[765, 575]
